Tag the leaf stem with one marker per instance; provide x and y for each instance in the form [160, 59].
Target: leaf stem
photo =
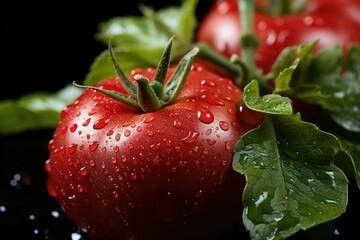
[248, 40]
[209, 54]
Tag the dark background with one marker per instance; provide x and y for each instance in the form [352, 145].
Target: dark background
[43, 48]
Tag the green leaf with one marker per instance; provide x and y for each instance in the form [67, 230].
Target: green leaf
[282, 81]
[140, 41]
[292, 182]
[269, 103]
[326, 79]
[34, 111]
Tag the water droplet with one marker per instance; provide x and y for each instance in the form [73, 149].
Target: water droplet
[227, 145]
[167, 142]
[117, 137]
[224, 125]
[64, 129]
[115, 194]
[261, 198]
[133, 175]
[191, 137]
[177, 124]
[92, 112]
[80, 188]
[271, 37]
[123, 158]
[182, 163]
[127, 133]
[155, 146]
[93, 146]
[205, 151]
[92, 163]
[149, 117]
[83, 171]
[72, 148]
[73, 127]
[116, 149]
[48, 165]
[211, 99]
[62, 150]
[139, 129]
[87, 121]
[308, 20]
[207, 82]
[210, 141]
[204, 115]
[101, 123]
[72, 197]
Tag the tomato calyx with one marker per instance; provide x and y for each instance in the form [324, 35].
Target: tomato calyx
[153, 95]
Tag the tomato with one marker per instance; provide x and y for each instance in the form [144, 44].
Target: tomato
[330, 21]
[120, 173]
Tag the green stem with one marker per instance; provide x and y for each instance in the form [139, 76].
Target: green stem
[282, 7]
[210, 55]
[248, 40]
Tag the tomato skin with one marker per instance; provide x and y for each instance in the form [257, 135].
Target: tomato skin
[330, 21]
[167, 174]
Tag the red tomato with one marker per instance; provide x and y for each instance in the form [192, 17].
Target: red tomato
[122, 174]
[330, 21]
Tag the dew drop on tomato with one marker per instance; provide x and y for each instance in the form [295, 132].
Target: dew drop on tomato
[93, 146]
[79, 188]
[73, 127]
[209, 98]
[177, 124]
[83, 171]
[224, 125]
[101, 123]
[86, 122]
[208, 83]
[48, 165]
[191, 137]
[127, 133]
[115, 194]
[204, 115]
[72, 148]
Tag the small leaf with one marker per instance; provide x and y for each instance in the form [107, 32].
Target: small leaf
[284, 60]
[270, 103]
[35, 111]
[282, 81]
[292, 182]
[177, 81]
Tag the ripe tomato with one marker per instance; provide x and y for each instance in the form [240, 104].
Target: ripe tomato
[122, 174]
[330, 21]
